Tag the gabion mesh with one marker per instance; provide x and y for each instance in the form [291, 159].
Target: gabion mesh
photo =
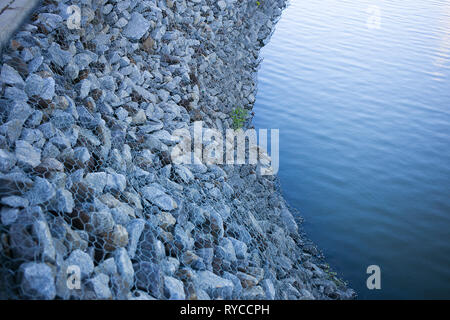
[86, 176]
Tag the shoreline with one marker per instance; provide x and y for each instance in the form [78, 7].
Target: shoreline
[87, 181]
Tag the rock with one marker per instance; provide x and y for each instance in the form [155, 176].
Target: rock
[97, 181]
[240, 248]
[41, 192]
[82, 154]
[254, 293]
[27, 155]
[269, 289]
[37, 281]
[247, 281]
[157, 196]
[164, 220]
[15, 202]
[10, 76]
[136, 27]
[117, 238]
[45, 241]
[108, 267]
[101, 222]
[149, 278]
[40, 87]
[124, 266]
[174, 288]
[135, 229]
[19, 110]
[83, 261]
[222, 4]
[289, 221]
[100, 285]
[216, 222]
[58, 56]
[63, 201]
[215, 286]
[237, 290]
[8, 215]
[116, 182]
[226, 250]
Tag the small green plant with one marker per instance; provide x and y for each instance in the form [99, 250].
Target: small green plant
[258, 3]
[238, 115]
[333, 276]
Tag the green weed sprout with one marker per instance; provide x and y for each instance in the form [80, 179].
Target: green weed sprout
[238, 115]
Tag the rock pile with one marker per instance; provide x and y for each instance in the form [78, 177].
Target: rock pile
[87, 186]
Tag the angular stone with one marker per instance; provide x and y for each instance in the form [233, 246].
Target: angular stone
[124, 266]
[9, 215]
[174, 288]
[101, 222]
[149, 278]
[58, 56]
[41, 192]
[269, 289]
[215, 286]
[155, 195]
[136, 27]
[83, 261]
[37, 281]
[135, 229]
[116, 182]
[15, 201]
[96, 180]
[63, 201]
[100, 285]
[27, 155]
[9, 75]
[42, 233]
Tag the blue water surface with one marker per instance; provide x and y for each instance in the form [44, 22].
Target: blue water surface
[360, 90]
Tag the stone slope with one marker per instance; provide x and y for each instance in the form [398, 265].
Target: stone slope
[86, 174]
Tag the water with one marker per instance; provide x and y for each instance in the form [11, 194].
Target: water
[364, 119]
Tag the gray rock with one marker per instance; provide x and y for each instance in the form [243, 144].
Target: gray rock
[61, 120]
[96, 180]
[58, 56]
[174, 288]
[124, 266]
[45, 241]
[269, 289]
[27, 155]
[116, 182]
[82, 154]
[135, 229]
[37, 281]
[19, 110]
[157, 196]
[83, 261]
[226, 250]
[15, 201]
[41, 192]
[9, 215]
[240, 248]
[215, 286]
[289, 221]
[149, 278]
[63, 201]
[10, 76]
[136, 27]
[41, 87]
[100, 285]
[101, 222]
[108, 267]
